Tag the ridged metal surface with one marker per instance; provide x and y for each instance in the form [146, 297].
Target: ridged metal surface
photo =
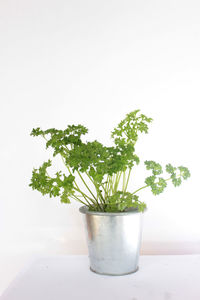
[114, 241]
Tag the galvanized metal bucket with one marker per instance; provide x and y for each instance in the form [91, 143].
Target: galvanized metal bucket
[114, 240]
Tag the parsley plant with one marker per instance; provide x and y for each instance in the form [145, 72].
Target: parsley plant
[104, 171]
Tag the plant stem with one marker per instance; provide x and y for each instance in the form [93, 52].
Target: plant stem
[140, 189]
[77, 187]
[117, 181]
[102, 200]
[124, 181]
[86, 185]
[94, 183]
[68, 170]
[107, 186]
[105, 194]
[143, 187]
[96, 199]
[79, 190]
[77, 199]
[85, 196]
[110, 185]
[129, 173]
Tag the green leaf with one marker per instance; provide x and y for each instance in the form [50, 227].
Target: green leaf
[45, 184]
[65, 198]
[170, 169]
[157, 184]
[155, 167]
[184, 172]
[176, 180]
[36, 131]
[121, 201]
[176, 177]
[128, 129]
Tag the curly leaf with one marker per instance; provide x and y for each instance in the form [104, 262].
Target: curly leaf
[121, 201]
[155, 167]
[127, 130]
[157, 184]
[45, 184]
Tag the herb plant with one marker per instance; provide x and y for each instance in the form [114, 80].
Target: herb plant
[104, 171]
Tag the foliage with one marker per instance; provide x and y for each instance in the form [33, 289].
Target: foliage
[104, 171]
[121, 201]
[60, 185]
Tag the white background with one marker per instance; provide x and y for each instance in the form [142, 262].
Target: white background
[91, 62]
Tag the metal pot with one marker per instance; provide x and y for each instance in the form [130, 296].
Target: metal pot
[114, 240]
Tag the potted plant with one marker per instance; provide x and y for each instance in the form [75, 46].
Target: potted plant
[113, 215]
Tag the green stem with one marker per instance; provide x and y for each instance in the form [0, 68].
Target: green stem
[96, 199]
[77, 187]
[140, 189]
[86, 185]
[143, 187]
[68, 170]
[106, 187]
[85, 196]
[118, 177]
[95, 185]
[129, 173]
[77, 199]
[105, 192]
[111, 190]
[44, 138]
[110, 185]
[124, 181]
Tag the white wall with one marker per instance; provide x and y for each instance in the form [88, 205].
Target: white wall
[91, 62]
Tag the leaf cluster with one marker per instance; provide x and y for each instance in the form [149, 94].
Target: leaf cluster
[59, 140]
[158, 184]
[122, 201]
[60, 185]
[99, 160]
[177, 174]
[129, 128]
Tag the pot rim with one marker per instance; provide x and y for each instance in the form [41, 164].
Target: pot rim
[85, 210]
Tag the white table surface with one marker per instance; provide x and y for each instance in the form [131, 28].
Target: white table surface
[164, 277]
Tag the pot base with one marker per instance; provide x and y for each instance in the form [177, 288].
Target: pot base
[115, 274]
